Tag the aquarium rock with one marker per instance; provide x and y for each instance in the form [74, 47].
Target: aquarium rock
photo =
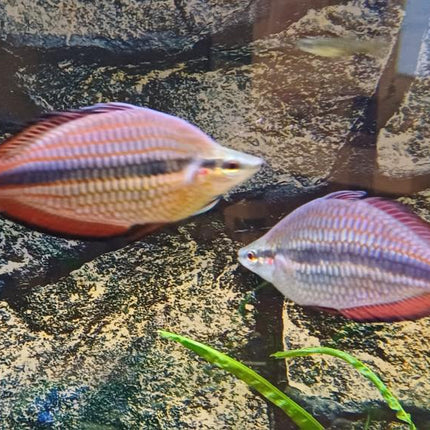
[95, 333]
[131, 26]
[404, 142]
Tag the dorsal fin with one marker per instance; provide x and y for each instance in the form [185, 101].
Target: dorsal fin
[404, 215]
[346, 195]
[106, 107]
[51, 120]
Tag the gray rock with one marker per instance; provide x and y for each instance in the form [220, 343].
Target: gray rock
[30, 258]
[394, 351]
[404, 142]
[169, 26]
[83, 351]
[280, 106]
[93, 343]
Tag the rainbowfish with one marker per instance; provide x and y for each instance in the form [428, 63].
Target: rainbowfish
[367, 258]
[99, 170]
[341, 47]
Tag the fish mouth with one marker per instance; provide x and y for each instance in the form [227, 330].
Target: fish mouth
[241, 256]
[254, 163]
[245, 159]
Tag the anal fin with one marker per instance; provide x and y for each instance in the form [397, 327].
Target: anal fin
[58, 224]
[408, 309]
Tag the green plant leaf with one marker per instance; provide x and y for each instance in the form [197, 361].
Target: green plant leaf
[302, 418]
[392, 401]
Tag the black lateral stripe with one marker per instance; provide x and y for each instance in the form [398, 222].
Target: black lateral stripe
[33, 176]
[210, 164]
[417, 270]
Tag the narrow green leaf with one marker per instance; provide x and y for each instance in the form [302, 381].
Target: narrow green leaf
[392, 401]
[302, 418]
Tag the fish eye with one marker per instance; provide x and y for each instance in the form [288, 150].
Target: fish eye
[231, 165]
[252, 256]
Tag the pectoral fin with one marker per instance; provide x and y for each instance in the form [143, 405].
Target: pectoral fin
[207, 207]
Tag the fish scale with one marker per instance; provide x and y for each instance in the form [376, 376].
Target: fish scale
[372, 236]
[98, 171]
[367, 258]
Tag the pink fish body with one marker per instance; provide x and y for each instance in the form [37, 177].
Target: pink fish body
[367, 258]
[100, 170]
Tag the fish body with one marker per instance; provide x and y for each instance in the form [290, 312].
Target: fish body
[367, 258]
[341, 47]
[100, 170]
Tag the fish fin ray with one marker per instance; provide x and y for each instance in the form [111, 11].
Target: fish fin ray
[58, 224]
[411, 308]
[346, 195]
[48, 121]
[331, 311]
[207, 207]
[14, 144]
[107, 107]
[404, 215]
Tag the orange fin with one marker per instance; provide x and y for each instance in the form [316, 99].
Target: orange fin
[48, 121]
[57, 224]
[408, 309]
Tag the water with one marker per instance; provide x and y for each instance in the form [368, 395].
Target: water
[79, 318]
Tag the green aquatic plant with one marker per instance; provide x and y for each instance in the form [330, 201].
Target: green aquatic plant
[389, 397]
[302, 418]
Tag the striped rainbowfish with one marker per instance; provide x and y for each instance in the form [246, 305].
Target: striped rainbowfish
[97, 171]
[367, 258]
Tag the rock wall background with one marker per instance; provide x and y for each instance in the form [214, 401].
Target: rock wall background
[78, 319]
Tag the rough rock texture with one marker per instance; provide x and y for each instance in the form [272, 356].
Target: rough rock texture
[280, 106]
[86, 350]
[27, 255]
[144, 27]
[164, 26]
[404, 143]
[419, 203]
[399, 353]
[81, 352]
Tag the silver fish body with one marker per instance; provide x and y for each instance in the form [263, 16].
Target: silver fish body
[344, 252]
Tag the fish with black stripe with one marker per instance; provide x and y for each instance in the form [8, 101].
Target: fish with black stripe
[100, 170]
[366, 258]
